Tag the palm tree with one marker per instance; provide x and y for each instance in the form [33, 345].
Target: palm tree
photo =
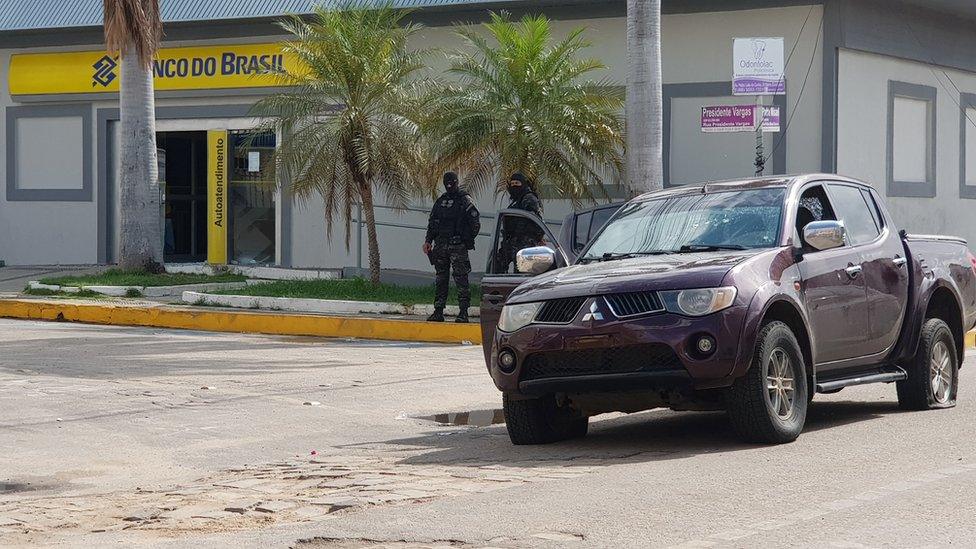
[644, 96]
[133, 30]
[523, 103]
[349, 119]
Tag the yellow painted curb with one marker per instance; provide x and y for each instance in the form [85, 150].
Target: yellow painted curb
[241, 322]
[970, 339]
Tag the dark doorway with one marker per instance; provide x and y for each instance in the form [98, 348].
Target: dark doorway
[185, 210]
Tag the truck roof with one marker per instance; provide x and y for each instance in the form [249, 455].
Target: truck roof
[747, 183]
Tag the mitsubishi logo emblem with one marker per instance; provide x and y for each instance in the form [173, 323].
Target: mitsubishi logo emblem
[594, 313]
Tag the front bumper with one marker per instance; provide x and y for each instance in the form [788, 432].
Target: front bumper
[653, 352]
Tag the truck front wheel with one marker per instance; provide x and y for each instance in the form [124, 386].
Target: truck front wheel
[769, 403]
[541, 421]
[933, 374]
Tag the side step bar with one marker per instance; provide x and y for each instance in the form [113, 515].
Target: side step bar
[863, 379]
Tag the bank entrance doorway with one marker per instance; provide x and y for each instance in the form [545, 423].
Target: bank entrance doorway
[185, 195]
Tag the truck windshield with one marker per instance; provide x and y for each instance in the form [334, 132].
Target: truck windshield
[731, 220]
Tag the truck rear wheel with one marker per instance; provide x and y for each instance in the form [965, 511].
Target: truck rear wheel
[933, 374]
[541, 421]
[769, 403]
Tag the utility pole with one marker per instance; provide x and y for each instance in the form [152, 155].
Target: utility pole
[645, 107]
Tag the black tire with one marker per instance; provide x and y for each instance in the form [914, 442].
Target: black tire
[541, 421]
[750, 404]
[917, 392]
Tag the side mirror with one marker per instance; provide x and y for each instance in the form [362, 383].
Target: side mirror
[535, 260]
[824, 235]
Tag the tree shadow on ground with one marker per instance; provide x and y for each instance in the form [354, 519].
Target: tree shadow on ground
[647, 436]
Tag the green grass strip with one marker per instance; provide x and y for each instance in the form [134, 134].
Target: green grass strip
[117, 277]
[351, 290]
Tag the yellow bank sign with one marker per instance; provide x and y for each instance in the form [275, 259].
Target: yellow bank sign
[191, 68]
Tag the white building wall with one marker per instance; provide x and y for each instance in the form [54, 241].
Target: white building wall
[48, 232]
[697, 49]
[863, 82]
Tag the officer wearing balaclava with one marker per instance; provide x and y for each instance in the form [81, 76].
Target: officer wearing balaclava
[453, 225]
[517, 232]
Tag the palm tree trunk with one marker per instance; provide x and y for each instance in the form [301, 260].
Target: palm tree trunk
[140, 240]
[366, 193]
[645, 171]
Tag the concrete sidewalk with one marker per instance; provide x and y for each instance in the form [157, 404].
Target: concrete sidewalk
[13, 279]
[126, 312]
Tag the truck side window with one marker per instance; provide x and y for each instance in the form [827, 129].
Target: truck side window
[854, 211]
[581, 235]
[600, 218]
[873, 206]
[814, 206]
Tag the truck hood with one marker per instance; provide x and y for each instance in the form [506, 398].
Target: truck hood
[664, 272]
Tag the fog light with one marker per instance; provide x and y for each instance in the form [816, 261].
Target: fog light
[706, 345]
[506, 360]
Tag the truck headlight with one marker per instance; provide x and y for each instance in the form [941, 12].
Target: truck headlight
[699, 302]
[518, 316]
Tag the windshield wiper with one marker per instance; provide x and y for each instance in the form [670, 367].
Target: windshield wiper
[690, 248]
[623, 255]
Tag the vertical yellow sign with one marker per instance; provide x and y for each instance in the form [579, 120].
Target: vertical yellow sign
[217, 219]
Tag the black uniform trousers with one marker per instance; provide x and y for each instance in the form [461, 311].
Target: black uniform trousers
[447, 258]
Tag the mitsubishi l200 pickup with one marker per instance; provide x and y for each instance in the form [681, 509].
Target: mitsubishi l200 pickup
[746, 296]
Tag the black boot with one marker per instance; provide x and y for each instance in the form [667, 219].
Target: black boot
[438, 316]
[462, 317]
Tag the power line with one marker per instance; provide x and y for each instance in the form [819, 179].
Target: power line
[952, 97]
[803, 87]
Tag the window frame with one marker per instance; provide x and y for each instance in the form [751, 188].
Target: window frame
[966, 101]
[930, 95]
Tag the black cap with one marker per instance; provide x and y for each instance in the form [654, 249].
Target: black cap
[517, 176]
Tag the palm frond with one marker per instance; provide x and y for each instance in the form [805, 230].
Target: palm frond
[134, 23]
[524, 101]
[350, 118]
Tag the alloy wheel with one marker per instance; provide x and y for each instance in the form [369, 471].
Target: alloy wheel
[940, 372]
[780, 386]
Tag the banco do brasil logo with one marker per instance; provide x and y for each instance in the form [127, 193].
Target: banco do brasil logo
[104, 71]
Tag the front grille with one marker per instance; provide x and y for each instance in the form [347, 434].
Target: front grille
[633, 304]
[559, 311]
[610, 360]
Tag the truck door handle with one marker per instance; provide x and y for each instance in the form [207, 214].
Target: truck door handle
[900, 261]
[853, 271]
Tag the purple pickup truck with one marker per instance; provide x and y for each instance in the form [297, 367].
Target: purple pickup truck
[746, 296]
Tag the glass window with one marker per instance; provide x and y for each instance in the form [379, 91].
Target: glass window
[910, 135]
[600, 218]
[873, 206]
[252, 199]
[517, 233]
[582, 230]
[855, 213]
[693, 222]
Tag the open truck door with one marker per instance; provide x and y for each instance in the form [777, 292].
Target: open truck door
[502, 275]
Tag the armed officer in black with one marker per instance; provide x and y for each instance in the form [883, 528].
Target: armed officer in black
[519, 233]
[454, 223]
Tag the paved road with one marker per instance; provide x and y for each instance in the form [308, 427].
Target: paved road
[118, 436]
